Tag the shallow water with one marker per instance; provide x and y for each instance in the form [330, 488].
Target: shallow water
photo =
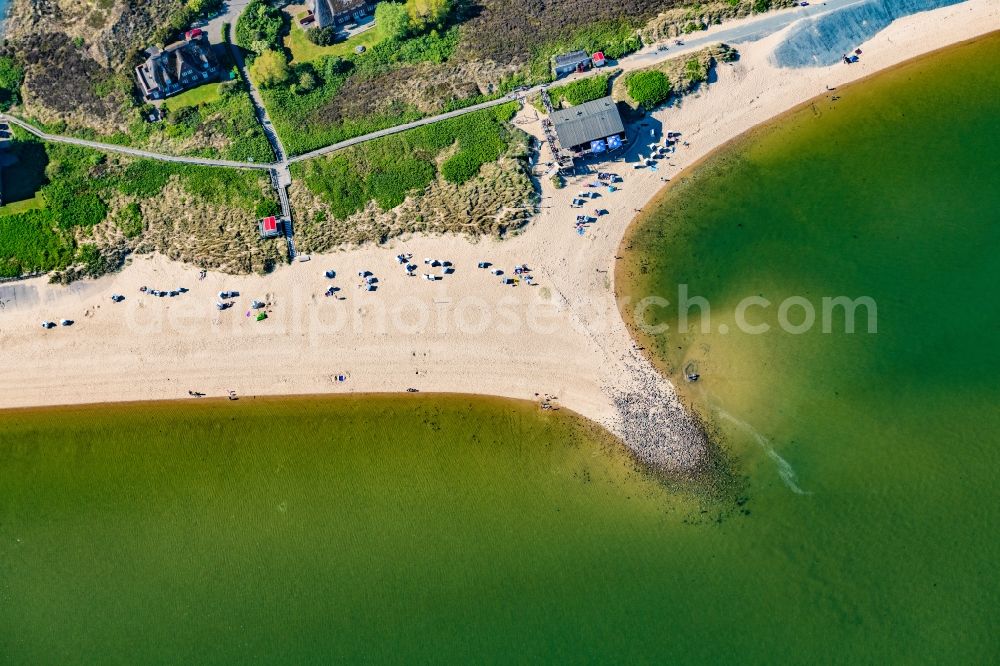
[307, 530]
[878, 450]
[420, 528]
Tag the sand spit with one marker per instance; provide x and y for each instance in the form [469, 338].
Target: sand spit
[465, 332]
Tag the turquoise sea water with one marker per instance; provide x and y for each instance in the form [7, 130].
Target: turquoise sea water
[420, 528]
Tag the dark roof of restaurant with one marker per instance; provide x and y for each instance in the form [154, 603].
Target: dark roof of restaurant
[587, 122]
[570, 58]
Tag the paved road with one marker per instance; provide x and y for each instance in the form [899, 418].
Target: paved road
[230, 13]
[749, 29]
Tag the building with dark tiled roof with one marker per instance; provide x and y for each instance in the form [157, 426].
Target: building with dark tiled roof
[339, 12]
[177, 67]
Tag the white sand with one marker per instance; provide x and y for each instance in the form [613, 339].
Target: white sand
[466, 333]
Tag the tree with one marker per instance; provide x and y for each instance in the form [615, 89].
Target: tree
[307, 82]
[392, 19]
[427, 14]
[259, 26]
[11, 76]
[650, 88]
[204, 7]
[330, 67]
[269, 68]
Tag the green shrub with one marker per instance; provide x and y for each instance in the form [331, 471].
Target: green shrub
[270, 69]
[461, 167]
[427, 14]
[144, 178]
[204, 7]
[11, 76]
[648, 88]
[90, 256]
[583, 90]
[322, 36]
[267, 207]
[306, 83]
[30, 242]
[130, 220]
[696, 71]
[73, 205]
[389, 185]
[337, 181]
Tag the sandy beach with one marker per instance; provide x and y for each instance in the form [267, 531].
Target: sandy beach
[466, 332]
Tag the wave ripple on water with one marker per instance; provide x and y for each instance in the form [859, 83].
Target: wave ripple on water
[785, 470]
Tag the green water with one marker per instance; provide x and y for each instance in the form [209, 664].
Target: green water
[312, 530]
[890, 192]
[422, 528]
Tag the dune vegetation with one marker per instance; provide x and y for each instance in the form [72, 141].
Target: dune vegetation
[464, 175]
[386, 170]
[89, 210]
[650, 87]
[580, 91]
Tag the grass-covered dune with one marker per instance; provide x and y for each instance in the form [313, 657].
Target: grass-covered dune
[88, 210]
[466, 174]
[386, 170]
